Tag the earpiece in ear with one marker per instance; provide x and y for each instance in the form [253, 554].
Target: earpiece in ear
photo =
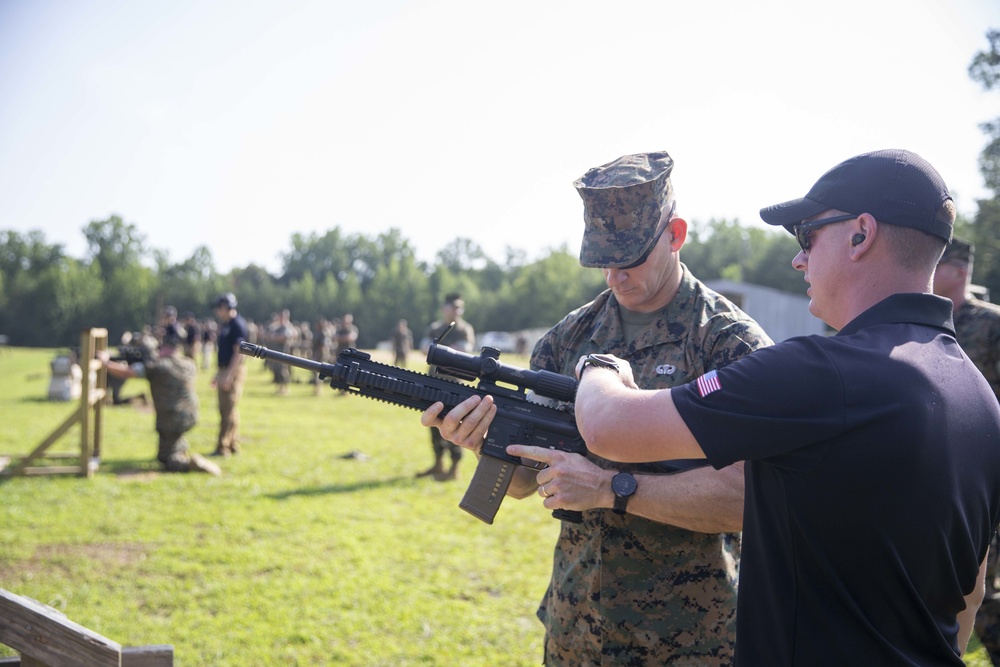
[857, 239]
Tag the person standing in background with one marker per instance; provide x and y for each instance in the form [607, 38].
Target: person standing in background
[231, 375]
[462, 338]
[977, 329]
[192, 343]
[402, 342]
[346, 335]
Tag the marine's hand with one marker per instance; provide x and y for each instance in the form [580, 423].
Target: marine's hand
[466, 424]
[569, 481]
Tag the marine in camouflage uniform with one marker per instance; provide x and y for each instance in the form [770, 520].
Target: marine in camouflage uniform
[346, 334]
[171, 378]
[284, 337]
[977, 329]
[626, 590]
[172, 385]
[462, 337]
[402, 342]
[655, 585]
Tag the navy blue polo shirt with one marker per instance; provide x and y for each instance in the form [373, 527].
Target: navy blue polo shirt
[231, 333]
[872, 487]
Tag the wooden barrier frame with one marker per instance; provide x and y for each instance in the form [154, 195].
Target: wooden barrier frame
[46, 638]
[89, 415]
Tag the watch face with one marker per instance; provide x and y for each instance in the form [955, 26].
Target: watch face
[623, 484]
[602, 360]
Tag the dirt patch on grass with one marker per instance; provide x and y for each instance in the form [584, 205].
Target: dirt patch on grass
[64, 559]
[115, 553]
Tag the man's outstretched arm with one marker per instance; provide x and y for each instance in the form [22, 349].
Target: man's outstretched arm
[621, 423]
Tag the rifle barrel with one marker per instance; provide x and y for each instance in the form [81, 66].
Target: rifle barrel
[261, 352]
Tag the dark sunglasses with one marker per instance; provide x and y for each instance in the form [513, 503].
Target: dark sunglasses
[649, 248]
[804, 229]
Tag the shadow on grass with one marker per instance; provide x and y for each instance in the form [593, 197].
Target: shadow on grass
[123, 468]
[133, 402]
[129, 466]
[45, 399]
[342, 488]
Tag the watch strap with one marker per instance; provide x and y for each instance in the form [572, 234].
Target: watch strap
[622, 496]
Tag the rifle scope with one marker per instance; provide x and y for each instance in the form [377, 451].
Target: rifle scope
[489, 368]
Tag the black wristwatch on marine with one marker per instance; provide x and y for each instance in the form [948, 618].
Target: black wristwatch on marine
[624, 485]
[599, 361]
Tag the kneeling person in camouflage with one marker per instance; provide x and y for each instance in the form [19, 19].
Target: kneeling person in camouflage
[171, 378]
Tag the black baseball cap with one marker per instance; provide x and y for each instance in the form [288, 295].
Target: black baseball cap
[895, 186]
[227, 299]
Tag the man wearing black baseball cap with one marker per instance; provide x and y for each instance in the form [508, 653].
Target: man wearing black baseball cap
[232, 372]
[872, 456]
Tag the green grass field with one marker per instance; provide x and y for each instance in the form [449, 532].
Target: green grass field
[295, 556]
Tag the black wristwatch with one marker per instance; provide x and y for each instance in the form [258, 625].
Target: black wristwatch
[624, 485]
[599, 361]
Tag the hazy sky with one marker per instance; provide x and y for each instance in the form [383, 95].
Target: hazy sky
[236, 124]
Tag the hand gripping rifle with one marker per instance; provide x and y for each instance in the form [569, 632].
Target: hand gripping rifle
[518, 419]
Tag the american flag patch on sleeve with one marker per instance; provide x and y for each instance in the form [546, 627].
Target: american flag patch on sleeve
[708, 383]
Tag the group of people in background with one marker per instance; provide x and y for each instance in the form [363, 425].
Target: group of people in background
[172, 348]
[320, 342]
[168, 361]
[165, 356]
[197, 335]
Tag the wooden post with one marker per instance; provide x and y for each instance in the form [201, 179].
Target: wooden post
[90, 415]
[46, 638]
[91, 341]
[42, 634]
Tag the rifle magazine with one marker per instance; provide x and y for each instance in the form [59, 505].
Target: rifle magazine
[488, 487]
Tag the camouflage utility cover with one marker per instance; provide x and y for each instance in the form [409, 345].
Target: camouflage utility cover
[623, 202]
[958, 252]
[172, 385]
[626, 590]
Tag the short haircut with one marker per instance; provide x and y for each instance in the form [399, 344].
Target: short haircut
[913, 249]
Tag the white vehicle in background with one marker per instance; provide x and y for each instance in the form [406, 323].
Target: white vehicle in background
[501, 340]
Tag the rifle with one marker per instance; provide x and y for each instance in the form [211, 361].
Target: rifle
[518, 419]
[132, 354]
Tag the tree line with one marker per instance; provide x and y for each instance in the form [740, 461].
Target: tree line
[47, 297]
